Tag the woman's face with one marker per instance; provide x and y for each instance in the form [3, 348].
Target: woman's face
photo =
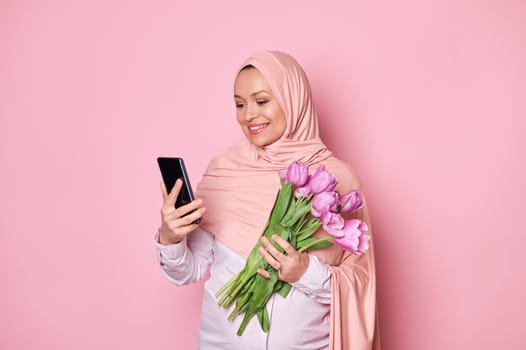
[258, 112]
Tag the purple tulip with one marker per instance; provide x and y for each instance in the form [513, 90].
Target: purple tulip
[297, 173]
[350, 202]
[332, 221]
[322, 181]
[303, 191]
[324, 202]
[355, 236]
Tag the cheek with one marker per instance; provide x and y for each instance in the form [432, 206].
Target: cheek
[239, 116]
[276, 114]
[283, 126]
[280, 120]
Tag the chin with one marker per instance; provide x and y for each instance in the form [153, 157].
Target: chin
[259, 140]
[258, 144]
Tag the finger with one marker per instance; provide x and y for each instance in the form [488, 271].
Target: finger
[172, 197]
[182, 231]
[269, 258]
[263, 273]
[185, 209]
[163, 191]
[287, 247]
[272, 249]
[185, 214]
[190, 218]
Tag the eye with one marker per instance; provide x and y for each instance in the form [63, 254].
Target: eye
[261, 102]
[239, 105]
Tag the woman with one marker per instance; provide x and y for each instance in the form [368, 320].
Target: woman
[332, 303]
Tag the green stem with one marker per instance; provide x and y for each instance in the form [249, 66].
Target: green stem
[326, 238]
[227, 285]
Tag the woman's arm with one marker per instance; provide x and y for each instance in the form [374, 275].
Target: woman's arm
[184, 251]
[187, 261]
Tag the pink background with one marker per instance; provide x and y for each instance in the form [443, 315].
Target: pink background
[425, 99]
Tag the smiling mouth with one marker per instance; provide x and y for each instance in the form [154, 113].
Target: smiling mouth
[256, 129]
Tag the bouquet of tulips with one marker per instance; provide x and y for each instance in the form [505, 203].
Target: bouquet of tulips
[303, 204]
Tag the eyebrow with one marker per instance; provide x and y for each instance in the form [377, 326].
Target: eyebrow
[254, 93]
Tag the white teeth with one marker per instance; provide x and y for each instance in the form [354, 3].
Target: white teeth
[257, 127]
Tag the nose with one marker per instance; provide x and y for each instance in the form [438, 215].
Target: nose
[250, 112]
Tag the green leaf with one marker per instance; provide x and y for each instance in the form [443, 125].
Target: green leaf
[241, 303]
[263, 289]
[293, 241]
[278, 285]
[235, 289]
[284, 289]
[314, 243]
[306, 209]
[308, 229]
[281, 231]
[281, 204]
[244, 323]
[263, 319]
[297, 211]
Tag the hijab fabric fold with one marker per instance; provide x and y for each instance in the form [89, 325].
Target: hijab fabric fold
[240, 185]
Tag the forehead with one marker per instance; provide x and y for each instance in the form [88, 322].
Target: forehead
[249, 81]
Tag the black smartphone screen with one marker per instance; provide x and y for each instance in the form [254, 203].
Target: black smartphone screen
[171, 170]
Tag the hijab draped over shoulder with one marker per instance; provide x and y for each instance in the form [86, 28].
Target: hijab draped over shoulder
[240, 185]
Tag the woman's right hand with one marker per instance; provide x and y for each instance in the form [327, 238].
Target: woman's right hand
[174, 225]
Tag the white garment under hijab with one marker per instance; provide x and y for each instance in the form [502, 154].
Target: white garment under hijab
[299, 321]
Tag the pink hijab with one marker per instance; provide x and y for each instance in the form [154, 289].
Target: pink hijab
[240, 185]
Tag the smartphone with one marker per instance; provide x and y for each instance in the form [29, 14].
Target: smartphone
[171, 170]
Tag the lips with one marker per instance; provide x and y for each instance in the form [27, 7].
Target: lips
[258, 128]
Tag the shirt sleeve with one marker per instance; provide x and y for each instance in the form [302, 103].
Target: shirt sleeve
[187, 261]
[316, 281]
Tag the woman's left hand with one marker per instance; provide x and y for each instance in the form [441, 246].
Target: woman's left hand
[291, 265]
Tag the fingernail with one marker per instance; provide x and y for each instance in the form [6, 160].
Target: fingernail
[263, 239]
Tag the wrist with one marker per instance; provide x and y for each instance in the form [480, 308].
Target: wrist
[168, 239]
[306, 261]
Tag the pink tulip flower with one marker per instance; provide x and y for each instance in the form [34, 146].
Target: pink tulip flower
[322, 181]
[297, 173]
[303, 191]
[332, 221]
[355, 237]
[350, 202]
[324, 202]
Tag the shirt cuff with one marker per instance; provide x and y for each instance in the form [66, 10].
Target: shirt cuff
[315, 278]
[171, 252]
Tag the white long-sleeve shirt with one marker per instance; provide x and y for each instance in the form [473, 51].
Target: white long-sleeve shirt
[299, 321]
